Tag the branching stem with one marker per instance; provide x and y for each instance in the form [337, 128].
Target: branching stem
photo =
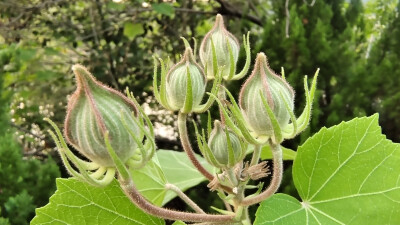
[256, 155]
[184, 197]
[183, 134]
[135, 196]
[276, 177]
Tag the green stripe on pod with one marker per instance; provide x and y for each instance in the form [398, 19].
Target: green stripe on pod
[264, 84]
[187, 70]
[218, 49]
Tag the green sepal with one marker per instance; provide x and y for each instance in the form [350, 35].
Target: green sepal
[155, 80]
[185, 42]
[208, 124]
[274, 122]
[224, 212]
[214, 90]
[209, 154]
[293, 129]
[231, 153]
[228, 120]
[163, 87]
[304, 118]
[214, 58]
[194, 48]
[231, 61]
[143, 114]
[187, 107]
[137, 141]
[122, 170]
[246, 44]
[283, 74]
[240, 120]
[199, 139]
[81, 165]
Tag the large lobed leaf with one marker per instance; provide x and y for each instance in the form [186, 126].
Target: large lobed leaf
[180, 171]
[347, 174]
[150, 181]
[76, 202]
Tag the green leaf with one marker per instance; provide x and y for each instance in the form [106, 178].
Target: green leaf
[347, 174]
[288, 154]
[76, 202]
[150, 181]
[163, 8]
[178, 222]
[131, 30]
[179, 170]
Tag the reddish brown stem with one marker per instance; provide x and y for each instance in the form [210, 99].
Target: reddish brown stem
[276, 178]
[135, 196]
[183, 134]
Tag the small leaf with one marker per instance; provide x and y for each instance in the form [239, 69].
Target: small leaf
[178, 170]
[76, 202]
[347, 174]
[131, 30]
[163, 8]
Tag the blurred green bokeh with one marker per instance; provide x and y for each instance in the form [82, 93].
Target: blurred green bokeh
[355, 43]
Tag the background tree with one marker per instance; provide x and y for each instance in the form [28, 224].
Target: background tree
[355, 45]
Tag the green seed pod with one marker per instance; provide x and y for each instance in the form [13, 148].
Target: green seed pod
[177, 82]
[95, 109]
[278, 93]
[226, 50]
[220, 145]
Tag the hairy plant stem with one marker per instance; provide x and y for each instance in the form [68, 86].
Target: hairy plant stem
[243, 211]
[183, 134]
[276, 177]
[135, 196]
[256, 155]
[184, 197]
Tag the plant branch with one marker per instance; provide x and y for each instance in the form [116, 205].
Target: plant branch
[135, 196]
[256, 155]
[184, 197]
[183, 134]
[276, 178]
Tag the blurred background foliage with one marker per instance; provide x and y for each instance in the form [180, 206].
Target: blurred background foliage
[355, 43]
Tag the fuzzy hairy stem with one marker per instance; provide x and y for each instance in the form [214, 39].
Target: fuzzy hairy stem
[256, 155]
[183, 134]
[184, 197]
[135, 196]
[276, 177]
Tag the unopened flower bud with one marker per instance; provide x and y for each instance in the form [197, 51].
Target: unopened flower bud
[219, 145]
[226, 46]
[95, 109]
[177, 82]
[277, 92]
